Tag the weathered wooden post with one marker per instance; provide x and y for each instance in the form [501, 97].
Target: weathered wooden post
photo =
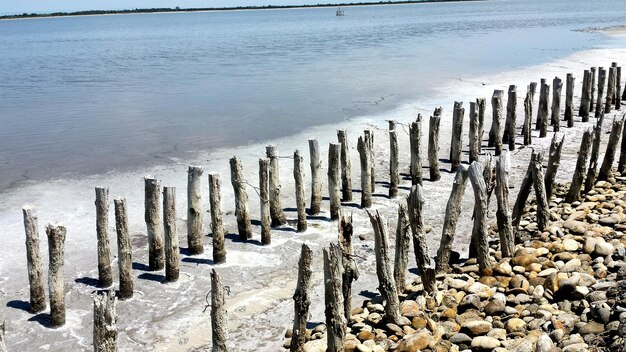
[456, 144]
[316, 177]
[3, 345]
[244, 226]
[609, 155]
[610, 90]
[554, 160]
[124, 250]
[298, 175]
[569, 100]
[532, 87]
[276, 208]
[105, 278]
[386, 283]
[585, 97]
[394, 172]
[105, 322]
[433, 145]
[479, 246]
[524, 190]
[350, 272]
[219, 334]
[495, 135]
[333, 299]
[154, 223]
[170, 230]
[503, 214]
[403, 241]
[35, 271]
[346, 167]
[480, 102]
[618, 88]
[301, 300]
[593, 89]
[56, 283]
[264, 196]
[592, 172]
[194, 211]
[557, 87]
[621, 166]
[543, 210]
[217, 225]
[474, 141]
[581, 163]
[542, 113]
[453, 210]
[511, 116]
[528, 116]
[601, 83]
[366, 190]
[415, 202]
[334, 182]
[369, 138]
[415, 138]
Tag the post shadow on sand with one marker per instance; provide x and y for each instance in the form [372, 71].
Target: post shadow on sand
[368, 294]
[19, 304]
[42, 318]
[204, 261]
[140, 266]
[151, 277]
[234, 237]
[87, 281]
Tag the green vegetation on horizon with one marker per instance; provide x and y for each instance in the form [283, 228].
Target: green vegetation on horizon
[194, 9]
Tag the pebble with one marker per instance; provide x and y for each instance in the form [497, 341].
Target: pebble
[485, 343]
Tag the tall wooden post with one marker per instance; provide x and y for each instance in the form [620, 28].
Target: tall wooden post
[298, 175]
[543, 211]
[503, 215]
[528, 116]
[403, 241]
[495, 135]
[592, 172]
[302, 300]
[276, 208]
[333, 298]
[557, 87]
[457, 135]
[244, 226]
[350, 272]
[554, 160]
[618, 88]
[581, 164]
[474, 141]
[610, 90]
[334, 182]
[170, 230]
[542, 112]
[369, 138]
[366, 190]
[433, 145]
[316, 177]
[154, 223]
[346, 167]
[264, 196]
[479, 245]
[601, 83]
[394, 172]
[217, 225]
[569, 100]
[35, 271]
[480, 102]
[105, 278]
[194, 210]
[593, 89]
[621, 166]
[453, 210]
[105, 322]
[415, 138]
[585, 96]
[124, 250]
[56, 282]
[511, 115]
[609, 155]
[524, 190]
[415, 203]
[219, 334]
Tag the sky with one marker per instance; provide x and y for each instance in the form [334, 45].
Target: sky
[10, 7]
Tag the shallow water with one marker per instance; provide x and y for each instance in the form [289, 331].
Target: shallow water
[86, 95]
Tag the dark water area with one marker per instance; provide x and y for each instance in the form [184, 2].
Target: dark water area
[83, 95]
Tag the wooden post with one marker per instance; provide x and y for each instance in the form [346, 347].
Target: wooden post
[495, 136]
[124, 250]
[403, 240]
[524, 190]
[532, 87]
[585, 97]
[456, 144]
[489, 174]
[333, 299]
[105, 278]
[453, 210]
[316, 177]
[433, 145]
[415, 203]
[298, 175]
[569, 100]
[609, 155]
[610, 90]
[592, 99]
[301, 300]
[105, 322]
[557, 87]
[542, 113]
[581, 164]
[592, 172]
[334, 182]
[276, 208]
[618, 88]
[217, 225]
[474, 141]
[366, 190]
[241, 200]
[554, 160]
[350, 272]
[264, 196]
[346, 173]
[3, 346]
[154, 223]
[386, 283]
[479, 246]
[394, 173]
[509, 125]
[369, 138]
[194, 211]
[170, 230]
[621, 166]
[35, 271]
[56, 283]
[543, 210]
[528, 116]
[415, 138]
[480, 102]
[219, 334]
[601, 83]
[503, 215]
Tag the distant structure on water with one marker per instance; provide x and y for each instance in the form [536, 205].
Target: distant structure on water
[340, 12]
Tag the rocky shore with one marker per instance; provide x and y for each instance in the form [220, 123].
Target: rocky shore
[563, 290]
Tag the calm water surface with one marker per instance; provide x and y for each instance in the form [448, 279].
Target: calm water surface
[86, 95]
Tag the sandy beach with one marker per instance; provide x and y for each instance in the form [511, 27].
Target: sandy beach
[172, 317]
